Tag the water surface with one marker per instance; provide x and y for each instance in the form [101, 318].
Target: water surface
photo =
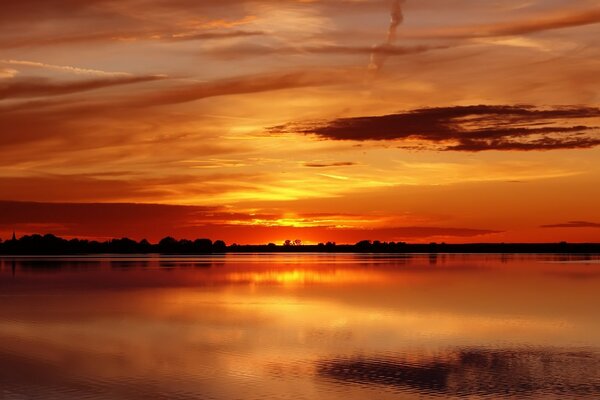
[300, 327]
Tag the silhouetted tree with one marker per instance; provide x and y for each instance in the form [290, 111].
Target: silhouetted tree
[168, 245]
[219, 246]
[185, 246]
[363, 245]
[50, 244]
[145, 246]
[203, 245]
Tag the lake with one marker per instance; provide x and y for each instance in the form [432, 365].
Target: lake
[300, 326]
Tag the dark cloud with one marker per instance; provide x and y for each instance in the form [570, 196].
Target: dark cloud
[98, 219]
[574, 224]
[468, 128]
[35, 10]
[326, 165]
[158, 220]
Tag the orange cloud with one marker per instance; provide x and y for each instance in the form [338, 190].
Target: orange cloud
[533, 24]
[39, 87]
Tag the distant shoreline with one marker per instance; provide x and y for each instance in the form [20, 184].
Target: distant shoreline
[53, 245]
[6, 256]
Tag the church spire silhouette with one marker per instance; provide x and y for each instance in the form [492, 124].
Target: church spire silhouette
[14, 236]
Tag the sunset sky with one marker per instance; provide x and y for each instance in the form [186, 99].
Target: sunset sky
[256, 121]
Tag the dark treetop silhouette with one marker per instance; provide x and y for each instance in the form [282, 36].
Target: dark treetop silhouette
[51, 244]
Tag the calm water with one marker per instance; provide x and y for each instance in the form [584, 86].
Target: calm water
[300, 327]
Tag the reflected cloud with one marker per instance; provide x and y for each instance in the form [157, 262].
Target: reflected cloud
[502, 373]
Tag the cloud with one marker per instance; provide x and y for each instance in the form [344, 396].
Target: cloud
[126, 36]
[254, 50]
[378, 57]
[35, 10]
[467, 128]
[158, 19]
[245, 84]
[38, 87]
[214, 35]
[7, 73]
[533, 24]
[128, 186]
[67, 121]
[63, 68]
[327, 165]
[574, 224]
[158, 220]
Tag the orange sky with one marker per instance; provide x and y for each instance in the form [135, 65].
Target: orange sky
[260, 120]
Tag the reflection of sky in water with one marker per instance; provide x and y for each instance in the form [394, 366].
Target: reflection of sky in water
[477, 372]
[286, 326]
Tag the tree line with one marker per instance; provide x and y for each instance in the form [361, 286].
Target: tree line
[51, 244]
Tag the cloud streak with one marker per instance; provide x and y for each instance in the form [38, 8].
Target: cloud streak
[125, 36]
[225, 34]
[328, 165]
[42, 87]
[63, 68]
[254, 50]
[574, 224]
[244, 84]
[534, 24]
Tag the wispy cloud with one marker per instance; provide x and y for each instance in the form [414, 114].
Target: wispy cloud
[533, 24]
[126, 37]
[378, 54]
[331, 164]
[245, 84]
[43, 87]
[574, 224]
[256, 50]
[8, 73]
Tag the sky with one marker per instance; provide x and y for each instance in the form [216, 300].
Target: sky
[257, 121]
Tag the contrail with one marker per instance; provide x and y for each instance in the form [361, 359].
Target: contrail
[64, 68]
[378, 57]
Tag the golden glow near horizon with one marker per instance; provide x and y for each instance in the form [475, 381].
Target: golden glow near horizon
[480, 122]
